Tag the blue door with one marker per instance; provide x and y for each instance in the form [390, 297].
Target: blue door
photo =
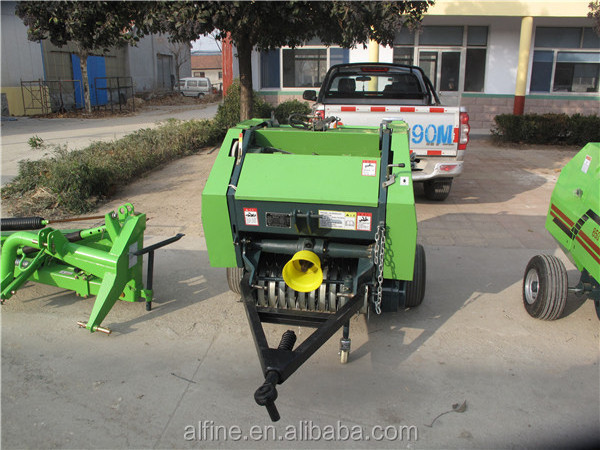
[96, 68]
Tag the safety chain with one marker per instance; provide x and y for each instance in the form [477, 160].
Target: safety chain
[378, 259]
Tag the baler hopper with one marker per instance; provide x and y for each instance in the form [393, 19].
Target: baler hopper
[574, 222]
[314, 225]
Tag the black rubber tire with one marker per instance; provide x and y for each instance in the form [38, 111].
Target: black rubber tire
[234, 278]
[545, 287]
[597, 305]
[437, 190]
[200, 96]
[415, 289]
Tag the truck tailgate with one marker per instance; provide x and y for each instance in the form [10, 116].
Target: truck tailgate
[433, 129]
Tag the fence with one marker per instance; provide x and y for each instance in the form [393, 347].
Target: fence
[45, 97]
[35, 97]
[113, 91]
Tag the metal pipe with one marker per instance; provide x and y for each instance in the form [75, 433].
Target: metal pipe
[331, 249]
[9, 253]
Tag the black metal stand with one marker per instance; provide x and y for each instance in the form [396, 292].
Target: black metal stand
[278, 364]
[150, 271]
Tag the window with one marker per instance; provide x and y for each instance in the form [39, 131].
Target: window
[192, 83]
[577, 72]
[453, 57]
[564, 60]
[475, 70]
[304, 67]
[220, 75]
[202, 83]
[403, 55]
[364, 84]
[299, 68]
[269, 69]
[446, 36]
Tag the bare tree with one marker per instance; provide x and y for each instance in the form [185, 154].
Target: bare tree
[181, 54]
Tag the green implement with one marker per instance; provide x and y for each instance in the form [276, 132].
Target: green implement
[574, 222]
[313, 224]
[104, 261]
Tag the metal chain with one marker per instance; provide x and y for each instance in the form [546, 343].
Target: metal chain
[378, 259]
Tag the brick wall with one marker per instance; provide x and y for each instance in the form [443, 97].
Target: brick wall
[280, 97]
[482, 109]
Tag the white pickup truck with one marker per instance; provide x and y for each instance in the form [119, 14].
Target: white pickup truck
[367, 93]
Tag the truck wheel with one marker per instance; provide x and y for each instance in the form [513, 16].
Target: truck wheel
[200, 96]
[234, 278]
[545, 286]
[415, 289]
[437, 190]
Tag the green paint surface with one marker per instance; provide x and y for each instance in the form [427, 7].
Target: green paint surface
[215, 215]
[577, 191]
[401, 218]
[347, 141]
[335, 180]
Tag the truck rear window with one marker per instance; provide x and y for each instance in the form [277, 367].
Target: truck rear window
[381, 85]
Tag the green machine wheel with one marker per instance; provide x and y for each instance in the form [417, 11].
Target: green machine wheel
[415, 289]
[545, 287]
[234, 278]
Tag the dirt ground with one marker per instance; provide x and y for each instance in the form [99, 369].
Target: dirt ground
[527, 383]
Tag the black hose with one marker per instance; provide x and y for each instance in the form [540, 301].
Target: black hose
[22, 223]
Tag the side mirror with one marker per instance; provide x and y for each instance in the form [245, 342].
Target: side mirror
[309, 95]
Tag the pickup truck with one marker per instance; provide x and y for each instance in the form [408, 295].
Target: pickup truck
[367, 93]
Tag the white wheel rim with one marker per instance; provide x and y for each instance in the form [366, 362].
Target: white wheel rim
[532, 286]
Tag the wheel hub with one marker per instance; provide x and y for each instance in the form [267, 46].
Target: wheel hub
[532, 283]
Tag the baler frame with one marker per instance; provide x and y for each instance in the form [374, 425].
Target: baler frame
[269, 224]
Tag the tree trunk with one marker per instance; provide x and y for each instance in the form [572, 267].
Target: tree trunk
[244, 50]
[178, 65]
[84, 82]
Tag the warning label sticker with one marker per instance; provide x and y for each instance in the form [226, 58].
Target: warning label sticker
[369, 168]
[251, 216]
[337, 220]
[586, 164]
[363, 221]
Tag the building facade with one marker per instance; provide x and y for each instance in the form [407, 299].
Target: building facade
[38, 77]
[493, 57]
[209, 65]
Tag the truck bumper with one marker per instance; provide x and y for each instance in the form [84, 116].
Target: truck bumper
[430, 168]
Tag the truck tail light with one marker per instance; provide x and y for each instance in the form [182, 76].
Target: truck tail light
[463, 137]
[447, 167]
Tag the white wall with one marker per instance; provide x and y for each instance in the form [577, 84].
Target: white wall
[21, 58]
[360, 54]
[502, 55]
[143, 62]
